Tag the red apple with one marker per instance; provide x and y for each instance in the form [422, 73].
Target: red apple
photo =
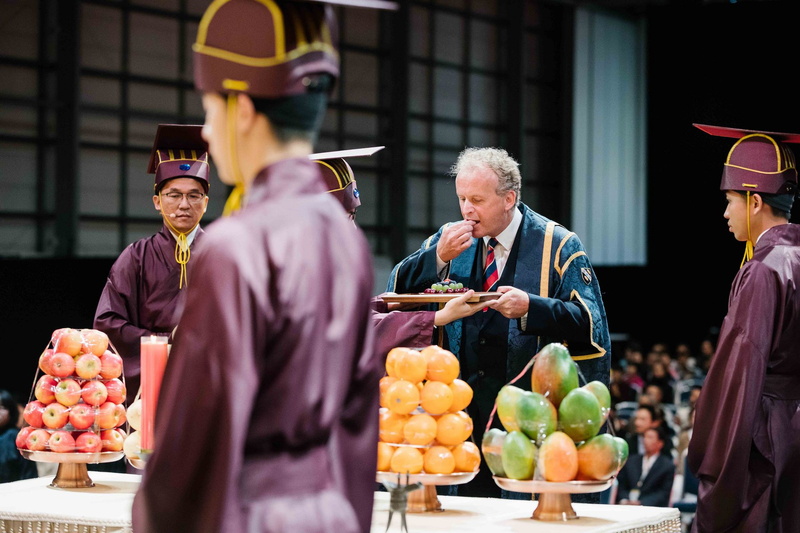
[111, 365]
[45, 389]
[44, 360]
[87, 365]
[69, 341]
[116, 390]
[61, 364]
[81, 416]
[110, 415]
[22, 437]
[68, 392]
[37, 440]
[55, 416]
[94, 341]
[113, 440]
[61, 442]
[33, 413]
[88, 442]
[94, 392]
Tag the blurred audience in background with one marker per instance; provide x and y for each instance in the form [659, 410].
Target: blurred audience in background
[13, 466]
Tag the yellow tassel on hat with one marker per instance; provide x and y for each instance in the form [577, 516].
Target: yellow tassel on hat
[236, 198]
[748, 247]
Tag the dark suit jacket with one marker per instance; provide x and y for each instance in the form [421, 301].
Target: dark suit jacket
[656, 487]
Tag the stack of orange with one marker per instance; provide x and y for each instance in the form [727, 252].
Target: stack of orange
[423, 426]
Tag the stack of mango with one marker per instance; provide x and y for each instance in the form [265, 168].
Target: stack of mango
[423, 426]
[551, 431]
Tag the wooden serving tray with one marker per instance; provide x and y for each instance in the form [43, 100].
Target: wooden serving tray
[438, 298]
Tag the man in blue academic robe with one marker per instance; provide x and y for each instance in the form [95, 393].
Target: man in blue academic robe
[549, 289]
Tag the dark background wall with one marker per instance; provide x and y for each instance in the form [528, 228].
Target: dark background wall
[714, 63]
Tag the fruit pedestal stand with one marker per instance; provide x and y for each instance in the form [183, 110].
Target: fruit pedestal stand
[554, 503]
[425, 499]
[72, 470]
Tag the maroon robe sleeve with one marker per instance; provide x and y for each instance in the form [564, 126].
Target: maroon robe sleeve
[729, 419]
[118, 314]
[413, 329]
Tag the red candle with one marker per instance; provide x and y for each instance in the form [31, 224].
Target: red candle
[153, 363]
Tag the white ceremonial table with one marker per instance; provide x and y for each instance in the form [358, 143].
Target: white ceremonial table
[32, 506]
[494, 515]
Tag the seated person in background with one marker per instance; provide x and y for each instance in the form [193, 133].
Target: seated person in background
[632, 377]
[647, 416]
[646, 479]
[683, 412]
[661, 378]
[13, 466]
[620, 390]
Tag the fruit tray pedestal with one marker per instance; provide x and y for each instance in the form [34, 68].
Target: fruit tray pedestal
[425, 499]
[554, 502]
[72, 470]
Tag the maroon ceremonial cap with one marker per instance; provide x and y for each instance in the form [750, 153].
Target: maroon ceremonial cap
[339, 176]
[179, 151]
[759, 161]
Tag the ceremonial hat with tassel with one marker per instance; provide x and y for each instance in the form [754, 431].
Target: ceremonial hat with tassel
[338, 174]
[759, 162]
[179, 151]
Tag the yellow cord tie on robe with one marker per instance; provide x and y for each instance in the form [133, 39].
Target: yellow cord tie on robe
[236, 198]
[748, 247]
[182, 251]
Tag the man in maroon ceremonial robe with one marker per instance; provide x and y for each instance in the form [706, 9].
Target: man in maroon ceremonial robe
[394, 326]
[267, 416]
[745, 446]
[140, 297]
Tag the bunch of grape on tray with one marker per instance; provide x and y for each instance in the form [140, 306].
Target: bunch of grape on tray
[447, 286]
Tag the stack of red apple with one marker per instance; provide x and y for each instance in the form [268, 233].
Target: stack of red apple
[79, 399]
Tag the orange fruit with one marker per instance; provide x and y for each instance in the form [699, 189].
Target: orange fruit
[467, 456]
[402, 397]
[384, 384]
[411, 366]
[462, 395]
[436, 397]
[438, 460]
[390, 425]
[385, 452]
[428, 351]
[453, 428]
[406, 459]
[391, 359]
[443, 366]
[420, 429]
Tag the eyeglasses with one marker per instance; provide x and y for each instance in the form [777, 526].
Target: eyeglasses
[193, 198]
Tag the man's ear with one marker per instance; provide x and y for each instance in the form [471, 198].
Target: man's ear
[757, 202]
[157, 202]
[246, 111]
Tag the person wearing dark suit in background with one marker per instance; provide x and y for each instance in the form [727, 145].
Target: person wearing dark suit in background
[646, 478]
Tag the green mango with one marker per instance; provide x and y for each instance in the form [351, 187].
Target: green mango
[536, 416]
[579, 415]
[599, 389]
[554, 373]
[519, 456]
[492, 448]
[507, 400]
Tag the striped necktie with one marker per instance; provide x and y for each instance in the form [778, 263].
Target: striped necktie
[490, 274]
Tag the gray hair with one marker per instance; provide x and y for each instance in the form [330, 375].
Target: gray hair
[496, 159]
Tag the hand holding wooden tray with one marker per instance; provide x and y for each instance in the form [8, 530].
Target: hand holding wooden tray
[441, 298]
